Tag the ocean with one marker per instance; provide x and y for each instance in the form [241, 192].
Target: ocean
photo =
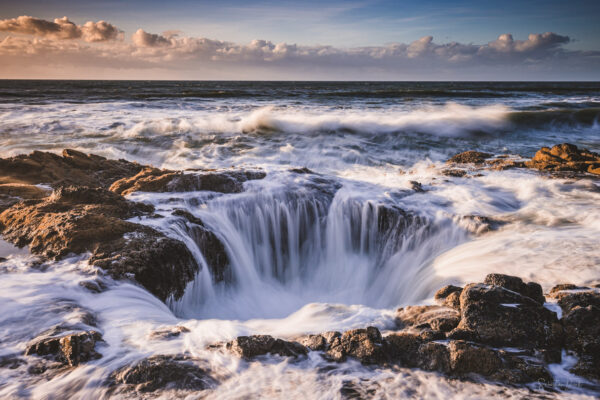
[307, 254]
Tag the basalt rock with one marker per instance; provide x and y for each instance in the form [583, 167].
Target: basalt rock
[531, 289]
[497, 316]
[469, 157]
[70, 349]
[565, 157]
[581, 322]
[365, 345]
[449, 296]
[320, 342]
[258, 345]
[75, 220]
[163, 372]
[72, 168]
[436, 318]
[157, 180]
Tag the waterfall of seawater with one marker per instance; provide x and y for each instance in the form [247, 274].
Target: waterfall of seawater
[290, 248]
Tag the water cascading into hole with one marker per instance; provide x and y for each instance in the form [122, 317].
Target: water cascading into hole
[288, 249]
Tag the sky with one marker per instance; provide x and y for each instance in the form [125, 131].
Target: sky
[300, 40]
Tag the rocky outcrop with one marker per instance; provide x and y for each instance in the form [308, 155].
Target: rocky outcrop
[561, 158]
[157, 180]
[77, 219]
[162, 372]
[470, 157]
[501, 317]
[500, 330]
[581, 322]
[258, 345]
[67, 348]
[72, 168]
[565, 157]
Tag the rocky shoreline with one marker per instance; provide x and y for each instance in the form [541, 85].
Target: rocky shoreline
[501, 330]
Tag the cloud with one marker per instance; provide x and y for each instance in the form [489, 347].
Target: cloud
[61, 28]
[540, 56]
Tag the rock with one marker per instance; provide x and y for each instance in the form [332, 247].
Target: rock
[565, 157]
[163, 265]
[168, 333]
[588, 366]
[70, 349]
[457, 173]
[444, 293]
[73, 168]
[210, 245]
[468, 358]
[417, 186]
[366, 345]
[156, 180]
[582, 329]
[497, 316]
[436, 318]
[469, 157]
[320, 342]
[163, 372]
[403, 347]
[75, 220]
[532, 290]
[433, 356]
[257, 345]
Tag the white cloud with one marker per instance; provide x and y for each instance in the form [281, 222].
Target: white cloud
[61, 28]
[175, 55]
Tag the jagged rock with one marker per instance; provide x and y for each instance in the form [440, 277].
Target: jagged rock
[403, 347]
[75, 220]
[210, 245]
[70, 349]
[366, 345]
[469, 157]
[156, 180]
[73, 168]
[433, 356]
[457, 173]
[531, 289]
[163, 372]
[565, 157]
[320, 342]
[258, 345]
[163, 265]
[467, 358]
[494, 315]
[168, 333]
[449, 296]
[436, 318]
[587, 366]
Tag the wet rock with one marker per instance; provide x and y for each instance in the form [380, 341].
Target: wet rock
[468, 357]
[433, 356]
[531, 289]
[587, 366]
[94, 285]
[565, 157]
[443, 294]
[257, 345]
[163, 372]
[365, 345]
[403, 347]
[156, 180]
[163, 265]
[477, 224]
[75, 220]
[436, 318]
[417, 186]
[457, 173]
[497, 316]
[210, 245]
[70, 349]
[469, 157]
[168, 333]
[521, 368]
[582, 329]
[72, 168]
[320, 342]
[302, 170]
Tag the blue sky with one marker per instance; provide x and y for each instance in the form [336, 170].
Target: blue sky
[341, 24]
